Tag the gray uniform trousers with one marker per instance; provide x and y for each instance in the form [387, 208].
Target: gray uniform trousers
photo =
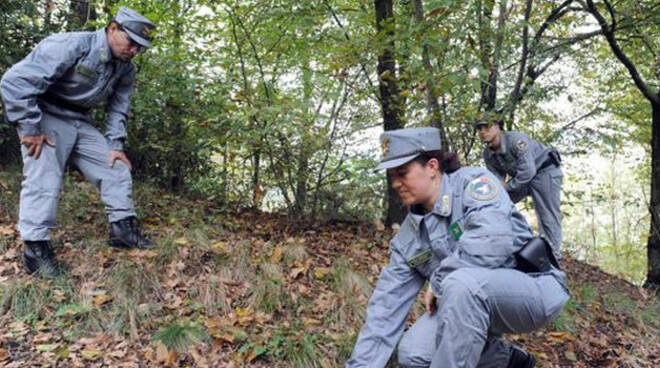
[476, 300]
[86, 147]
[545, 189]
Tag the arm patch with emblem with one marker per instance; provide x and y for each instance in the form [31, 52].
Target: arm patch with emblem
[482, 189]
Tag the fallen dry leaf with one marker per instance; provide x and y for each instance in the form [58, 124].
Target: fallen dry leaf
[296, 271]
[276, 256]
[7, 230]
[321, 272]
[181, 241]
[99, 300]
[90, 354]
[161, 352]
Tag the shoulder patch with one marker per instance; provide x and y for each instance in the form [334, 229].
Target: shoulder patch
[482, 189]
[522, 145]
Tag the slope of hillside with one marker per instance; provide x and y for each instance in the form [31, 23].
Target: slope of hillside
[234, 289]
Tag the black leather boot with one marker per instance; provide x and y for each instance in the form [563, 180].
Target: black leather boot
[125, 233]
[521, 359]
[40, 260]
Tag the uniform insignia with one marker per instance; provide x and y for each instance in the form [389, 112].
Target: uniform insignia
[522, 145]
[146, 31]
[87, 72]
[385, 146]
[445, 204]
[482, 189]
[104, 54]
[419, 258]
[456, 230]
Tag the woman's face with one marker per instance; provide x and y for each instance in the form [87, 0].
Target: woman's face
[416, 183]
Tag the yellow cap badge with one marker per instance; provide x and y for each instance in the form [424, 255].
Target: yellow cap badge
[146, 31]
[385, 146]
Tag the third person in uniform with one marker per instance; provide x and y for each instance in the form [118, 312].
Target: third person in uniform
[526, 167]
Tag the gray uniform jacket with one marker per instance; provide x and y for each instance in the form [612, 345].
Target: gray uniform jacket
[520, 157]
[74, 70]
[473, 224]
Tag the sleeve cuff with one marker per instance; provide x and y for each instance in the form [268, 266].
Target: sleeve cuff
[28, 129]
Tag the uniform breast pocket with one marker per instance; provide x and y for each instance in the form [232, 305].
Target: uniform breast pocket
[442, 245]
[85, 74]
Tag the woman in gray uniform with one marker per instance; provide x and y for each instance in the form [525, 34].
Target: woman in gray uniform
[462, 235]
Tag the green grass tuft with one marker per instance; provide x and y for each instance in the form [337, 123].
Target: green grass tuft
[302, 351]
[268, 293]
[179, 337]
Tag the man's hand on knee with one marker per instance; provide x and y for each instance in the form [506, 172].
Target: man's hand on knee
[34, 143]
[121, 156]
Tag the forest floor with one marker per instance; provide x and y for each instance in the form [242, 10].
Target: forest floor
[242, 289]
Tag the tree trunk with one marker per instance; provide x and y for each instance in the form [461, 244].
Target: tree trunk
[432, 105]
[653, 245]
[83, 12]
[389, 96]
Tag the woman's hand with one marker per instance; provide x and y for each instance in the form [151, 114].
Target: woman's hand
[430, 301]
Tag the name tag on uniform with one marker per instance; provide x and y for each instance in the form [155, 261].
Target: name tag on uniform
[456, 230]
[85, 71]
[419, 258]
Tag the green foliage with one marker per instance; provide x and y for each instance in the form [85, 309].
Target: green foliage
[179, 337]
[25, 300]
[268, 293]
[72, 310]
[303, 351]
[650, 315]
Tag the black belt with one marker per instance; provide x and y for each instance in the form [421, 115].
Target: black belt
[547, 163]
[553, 159]
[58, 101]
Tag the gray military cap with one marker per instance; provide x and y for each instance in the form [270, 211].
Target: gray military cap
[479, 123]
[403, 145]
[488, 119]
[136, 26]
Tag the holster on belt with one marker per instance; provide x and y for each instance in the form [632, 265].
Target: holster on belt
[536, 256]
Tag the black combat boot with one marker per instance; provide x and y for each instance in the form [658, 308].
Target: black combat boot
[521, 359]
[125, 233]
[39, 259]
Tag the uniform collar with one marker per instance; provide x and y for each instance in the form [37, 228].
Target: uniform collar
[502, 148]
[415, 220]
[442, 205]
[503, 143]
[103, 47]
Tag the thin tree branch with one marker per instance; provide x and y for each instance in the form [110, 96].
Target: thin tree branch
[608, 31]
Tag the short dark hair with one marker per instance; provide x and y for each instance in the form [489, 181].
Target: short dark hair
[449, 161]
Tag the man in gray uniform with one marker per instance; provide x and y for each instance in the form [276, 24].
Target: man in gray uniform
[531, 168]
[462, 235]
[48, 96]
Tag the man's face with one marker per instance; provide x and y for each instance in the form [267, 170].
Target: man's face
[489, 134]
[123, 47]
